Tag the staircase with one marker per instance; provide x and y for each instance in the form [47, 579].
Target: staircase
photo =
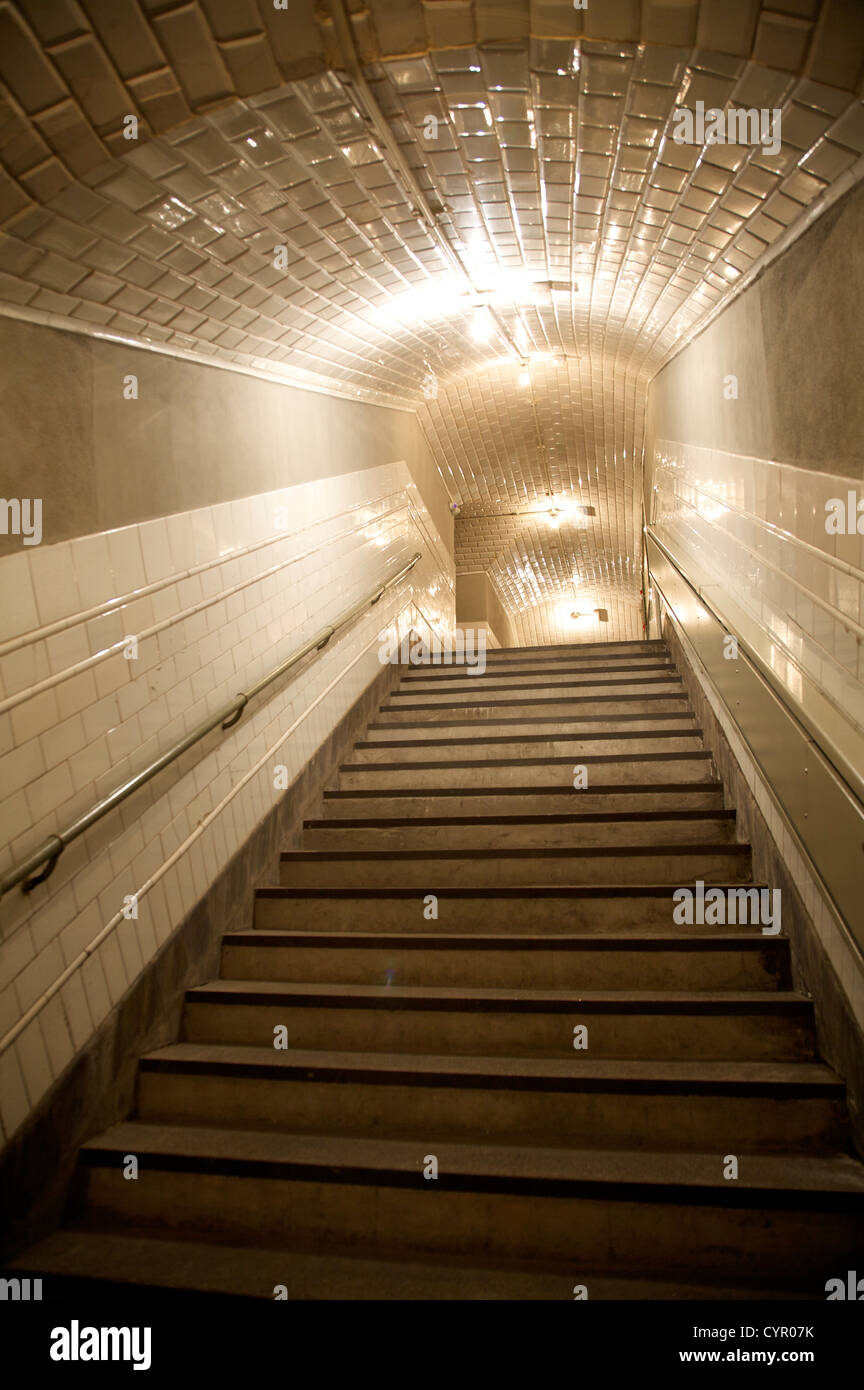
[458, 916]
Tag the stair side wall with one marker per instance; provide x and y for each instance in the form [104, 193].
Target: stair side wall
[98, 1089]
[840, 1039]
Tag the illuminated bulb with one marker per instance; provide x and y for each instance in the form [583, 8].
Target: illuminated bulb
[524, 378]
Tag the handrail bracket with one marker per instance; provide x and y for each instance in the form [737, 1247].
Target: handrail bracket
[30, 883]
[238, 713]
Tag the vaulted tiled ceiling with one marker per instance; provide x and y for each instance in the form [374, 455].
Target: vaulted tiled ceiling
[483, 217]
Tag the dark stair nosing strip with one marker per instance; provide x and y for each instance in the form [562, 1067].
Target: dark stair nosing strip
[443, 671]
[732, 849]
[539, 700]
[458, 741]
[585, 1189]
[545, 719]
[640, 644]
[553, 818]
[608, 789]
[578, 651]
[262, 997]
[390, 1073]
[697, 755]
[461, 941]
[493, 658]
[514, 891]
[672, 679]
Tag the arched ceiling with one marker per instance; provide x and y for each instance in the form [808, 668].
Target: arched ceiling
[482, 212]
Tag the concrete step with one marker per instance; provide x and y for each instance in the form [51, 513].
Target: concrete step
[480, 745]
[585, 908]
[458, 678]
[579, 650]
[516, 707]
[533, 662]
[717, 1106]
[655, 828]
[79, 1263]
[611, 799]
[732, 961]
[421, 774]
[722, 1025]
[482, 691]
[613, 864]
[574, 725]
[619, 1211]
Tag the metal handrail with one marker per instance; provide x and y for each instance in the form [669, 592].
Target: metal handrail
[48, 853]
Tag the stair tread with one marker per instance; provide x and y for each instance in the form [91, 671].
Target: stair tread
[689, 847]
[565, 667]
[657, 671]
[798, 1173]
[682, 1075]
[694, 755]
[547, 726]
[454, 702]
[140, 1259]
[607, 789]
[673, 1000]
[644, 644]
[593, 941]
[456, 740]
[507, 890]
[552, 818]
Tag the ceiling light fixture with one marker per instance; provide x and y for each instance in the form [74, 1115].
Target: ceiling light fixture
[602, 615]
[481, 328]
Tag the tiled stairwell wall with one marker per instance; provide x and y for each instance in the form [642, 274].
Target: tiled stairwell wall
[752, 431]
[751, 534]
[216, 596]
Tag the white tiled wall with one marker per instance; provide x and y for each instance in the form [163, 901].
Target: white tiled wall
[751, 534]
[215, 597]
